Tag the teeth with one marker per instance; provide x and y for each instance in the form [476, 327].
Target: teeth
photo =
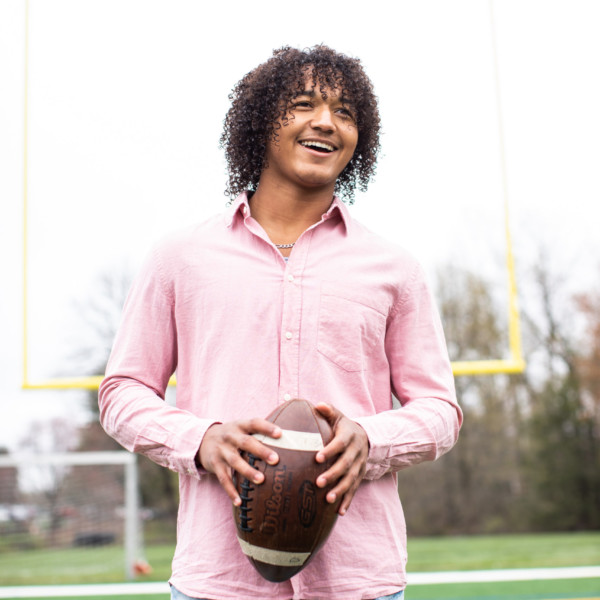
[322, 145]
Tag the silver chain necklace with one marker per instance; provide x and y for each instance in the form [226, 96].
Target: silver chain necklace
[284, 246]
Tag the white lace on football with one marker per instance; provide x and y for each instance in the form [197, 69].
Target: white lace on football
[273, 557]
[293, 440]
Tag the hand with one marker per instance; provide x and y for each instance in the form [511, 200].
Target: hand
[351, 442]
[219, 451]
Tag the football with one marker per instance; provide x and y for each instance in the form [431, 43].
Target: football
[283, 522]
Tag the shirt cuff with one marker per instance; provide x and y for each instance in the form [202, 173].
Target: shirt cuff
[378, 452]
[175, 448]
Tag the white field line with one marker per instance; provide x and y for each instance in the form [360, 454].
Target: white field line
[129, 589]
[504, 575]
[81, 591]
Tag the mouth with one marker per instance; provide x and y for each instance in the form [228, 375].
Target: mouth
[322, 147]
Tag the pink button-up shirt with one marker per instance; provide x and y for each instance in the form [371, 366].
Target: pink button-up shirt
[348, 320]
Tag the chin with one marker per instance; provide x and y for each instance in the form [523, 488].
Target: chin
[316, 180]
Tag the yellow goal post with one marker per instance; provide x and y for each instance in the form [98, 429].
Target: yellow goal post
[514, 363]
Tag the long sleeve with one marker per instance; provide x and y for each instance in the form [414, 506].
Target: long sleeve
[144, 356]
[427, 424]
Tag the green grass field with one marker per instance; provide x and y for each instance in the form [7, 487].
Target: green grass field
[517, 590]
[471, 553]
[37, 567]
[78, 565]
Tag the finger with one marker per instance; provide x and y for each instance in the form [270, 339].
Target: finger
[222, 444]
[346, 487]
[256, 442]
[329, 412]
[351, 446]
[336, 445]
[347, 499]
[248, 468]
[260, 451]
[241, 436]
[346, 466]
[345, 475]
[235, 462]
[263, 426]
[224, 477]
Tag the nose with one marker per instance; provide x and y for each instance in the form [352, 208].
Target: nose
[323, 119]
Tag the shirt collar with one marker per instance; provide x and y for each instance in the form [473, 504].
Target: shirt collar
[240, 209]
[339, 208]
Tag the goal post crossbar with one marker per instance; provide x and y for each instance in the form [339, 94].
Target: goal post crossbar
[117, 457]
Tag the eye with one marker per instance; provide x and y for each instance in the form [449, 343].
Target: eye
[345, 112]
[302, 104]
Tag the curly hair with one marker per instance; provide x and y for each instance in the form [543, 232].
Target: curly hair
[260, 102]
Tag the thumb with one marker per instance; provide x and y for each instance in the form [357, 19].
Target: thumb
[326, 410]
[330, 413]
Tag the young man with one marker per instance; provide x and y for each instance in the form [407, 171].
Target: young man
[286, 296]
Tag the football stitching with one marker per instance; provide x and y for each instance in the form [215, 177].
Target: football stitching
[246, 488]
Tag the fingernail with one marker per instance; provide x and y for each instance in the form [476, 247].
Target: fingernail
[321, 481]
[331, 497]
[237, 501]
[272, 459]
[258, 478]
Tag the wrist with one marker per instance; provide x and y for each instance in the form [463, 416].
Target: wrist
[197, 461]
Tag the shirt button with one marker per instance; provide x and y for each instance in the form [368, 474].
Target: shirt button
[289, 335]
[290, 278]
[287, 397]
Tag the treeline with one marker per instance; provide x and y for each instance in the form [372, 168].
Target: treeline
[528, 458]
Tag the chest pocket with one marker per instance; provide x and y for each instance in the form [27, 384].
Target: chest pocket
[350, 332]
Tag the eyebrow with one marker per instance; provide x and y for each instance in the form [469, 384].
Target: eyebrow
[311, 94]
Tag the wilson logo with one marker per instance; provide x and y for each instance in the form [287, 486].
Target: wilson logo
[274, 505]
[307, 503]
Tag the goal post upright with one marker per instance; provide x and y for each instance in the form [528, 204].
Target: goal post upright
[132, 524]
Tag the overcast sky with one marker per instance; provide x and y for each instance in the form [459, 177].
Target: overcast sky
[125, 106]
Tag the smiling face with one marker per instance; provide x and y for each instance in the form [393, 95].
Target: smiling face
[314, 142]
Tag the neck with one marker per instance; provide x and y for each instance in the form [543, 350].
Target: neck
[286, 212]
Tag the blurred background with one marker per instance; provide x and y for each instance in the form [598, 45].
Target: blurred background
[110, 117]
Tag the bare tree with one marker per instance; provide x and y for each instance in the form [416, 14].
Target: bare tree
[473, 488]
[45, 484]
[100, 316]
